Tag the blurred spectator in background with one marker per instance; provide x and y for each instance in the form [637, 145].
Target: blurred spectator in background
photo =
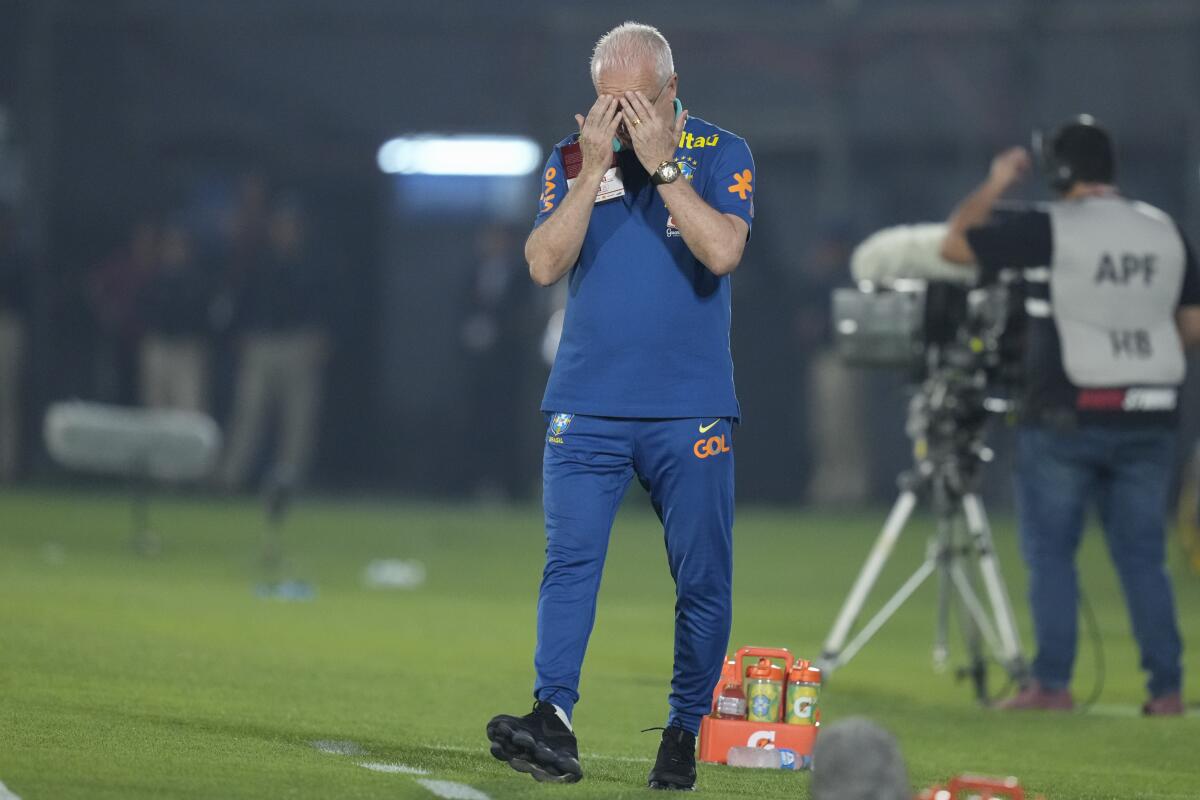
[115, 286]
[280, 317]
[242, 244]
[14, 312]
[173, 309]
[836, 414]
[499, 341]
[246, 228]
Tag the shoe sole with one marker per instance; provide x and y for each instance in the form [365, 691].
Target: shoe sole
[674, 787]
[521, 751]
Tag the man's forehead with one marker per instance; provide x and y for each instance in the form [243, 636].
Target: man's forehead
[616, 81]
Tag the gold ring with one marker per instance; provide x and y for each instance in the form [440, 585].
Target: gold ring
[637, 121]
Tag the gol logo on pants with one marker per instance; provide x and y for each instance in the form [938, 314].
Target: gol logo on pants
[714, 445]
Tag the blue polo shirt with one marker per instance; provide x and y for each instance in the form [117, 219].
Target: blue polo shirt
[646, 332]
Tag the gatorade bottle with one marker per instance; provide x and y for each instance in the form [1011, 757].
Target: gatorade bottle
[804, 687]
[731, 702]
[764, 691]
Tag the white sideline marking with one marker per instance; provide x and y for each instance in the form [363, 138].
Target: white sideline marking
[452, 790]
[451, 748]
[401, 769]
[336, 747]
[5, 794]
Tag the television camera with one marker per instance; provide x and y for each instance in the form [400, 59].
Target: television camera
[961, 344]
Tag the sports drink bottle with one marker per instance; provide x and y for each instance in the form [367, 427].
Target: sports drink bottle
[803, 691]
[764, 691]
[731, 702]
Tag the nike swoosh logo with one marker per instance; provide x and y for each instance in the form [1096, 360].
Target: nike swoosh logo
[709, 426]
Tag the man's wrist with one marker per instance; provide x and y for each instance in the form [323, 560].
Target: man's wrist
[997, 186]
[591, 175]
[652, 164]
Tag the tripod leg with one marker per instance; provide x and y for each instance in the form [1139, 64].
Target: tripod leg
[976, 666]
[989, 568]
[973, 620]
[143, 540]
[968, 597]
[872, 626]
[892, 528]
[943, 554]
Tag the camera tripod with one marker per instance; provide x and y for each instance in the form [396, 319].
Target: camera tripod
[946, 422]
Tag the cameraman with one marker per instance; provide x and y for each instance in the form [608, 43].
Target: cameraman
[1112, 295]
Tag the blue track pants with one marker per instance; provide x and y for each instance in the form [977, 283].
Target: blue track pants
[687, 466]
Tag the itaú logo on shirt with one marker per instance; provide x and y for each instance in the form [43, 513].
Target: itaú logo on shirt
[689, 141]
[712, 446]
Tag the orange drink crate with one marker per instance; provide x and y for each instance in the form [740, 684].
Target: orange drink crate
[718, 735]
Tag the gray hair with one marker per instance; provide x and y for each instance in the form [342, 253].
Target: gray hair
[631, 45]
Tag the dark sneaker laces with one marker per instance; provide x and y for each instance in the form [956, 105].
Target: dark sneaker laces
[675, 767]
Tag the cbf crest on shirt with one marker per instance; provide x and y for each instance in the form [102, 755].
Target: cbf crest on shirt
[646, 331]
[560, 422]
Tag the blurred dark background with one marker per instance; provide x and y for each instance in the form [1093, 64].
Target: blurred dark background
[194, 216]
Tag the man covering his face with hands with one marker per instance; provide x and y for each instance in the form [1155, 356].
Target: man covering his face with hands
[646, 211]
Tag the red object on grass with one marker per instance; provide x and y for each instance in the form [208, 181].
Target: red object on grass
[992, 789]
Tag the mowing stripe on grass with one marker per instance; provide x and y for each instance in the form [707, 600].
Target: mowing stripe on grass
[400, 769]
[5, 794]
[452, 791]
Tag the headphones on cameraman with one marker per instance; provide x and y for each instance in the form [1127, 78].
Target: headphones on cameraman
[1059, 168]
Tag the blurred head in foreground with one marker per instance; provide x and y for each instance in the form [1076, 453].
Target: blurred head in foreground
[857, 760]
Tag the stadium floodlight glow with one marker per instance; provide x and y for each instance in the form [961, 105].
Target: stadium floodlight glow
[465, 154]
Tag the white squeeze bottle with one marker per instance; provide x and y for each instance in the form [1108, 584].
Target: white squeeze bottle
[762, 757]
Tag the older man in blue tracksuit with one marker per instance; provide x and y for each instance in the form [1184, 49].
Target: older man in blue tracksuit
[646, 211]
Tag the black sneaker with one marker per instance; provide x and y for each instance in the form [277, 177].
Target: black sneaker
[538, 744]
[675, 767]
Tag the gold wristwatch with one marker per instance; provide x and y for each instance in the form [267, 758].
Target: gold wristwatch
[667, 172]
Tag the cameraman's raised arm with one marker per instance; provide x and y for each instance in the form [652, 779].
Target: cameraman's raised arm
[1188, 314]
[1188, 319]
[1007, 168]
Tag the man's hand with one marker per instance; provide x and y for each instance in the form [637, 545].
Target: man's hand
[554, 246]
[654, 137]
[1010, 167]
[1188, 318]
[1007, 168]
[595, 136]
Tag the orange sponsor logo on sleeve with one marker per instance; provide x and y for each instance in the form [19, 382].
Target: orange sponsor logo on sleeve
[741, 183]
[548, 189]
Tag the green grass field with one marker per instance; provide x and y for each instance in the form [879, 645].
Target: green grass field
[131, 677]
